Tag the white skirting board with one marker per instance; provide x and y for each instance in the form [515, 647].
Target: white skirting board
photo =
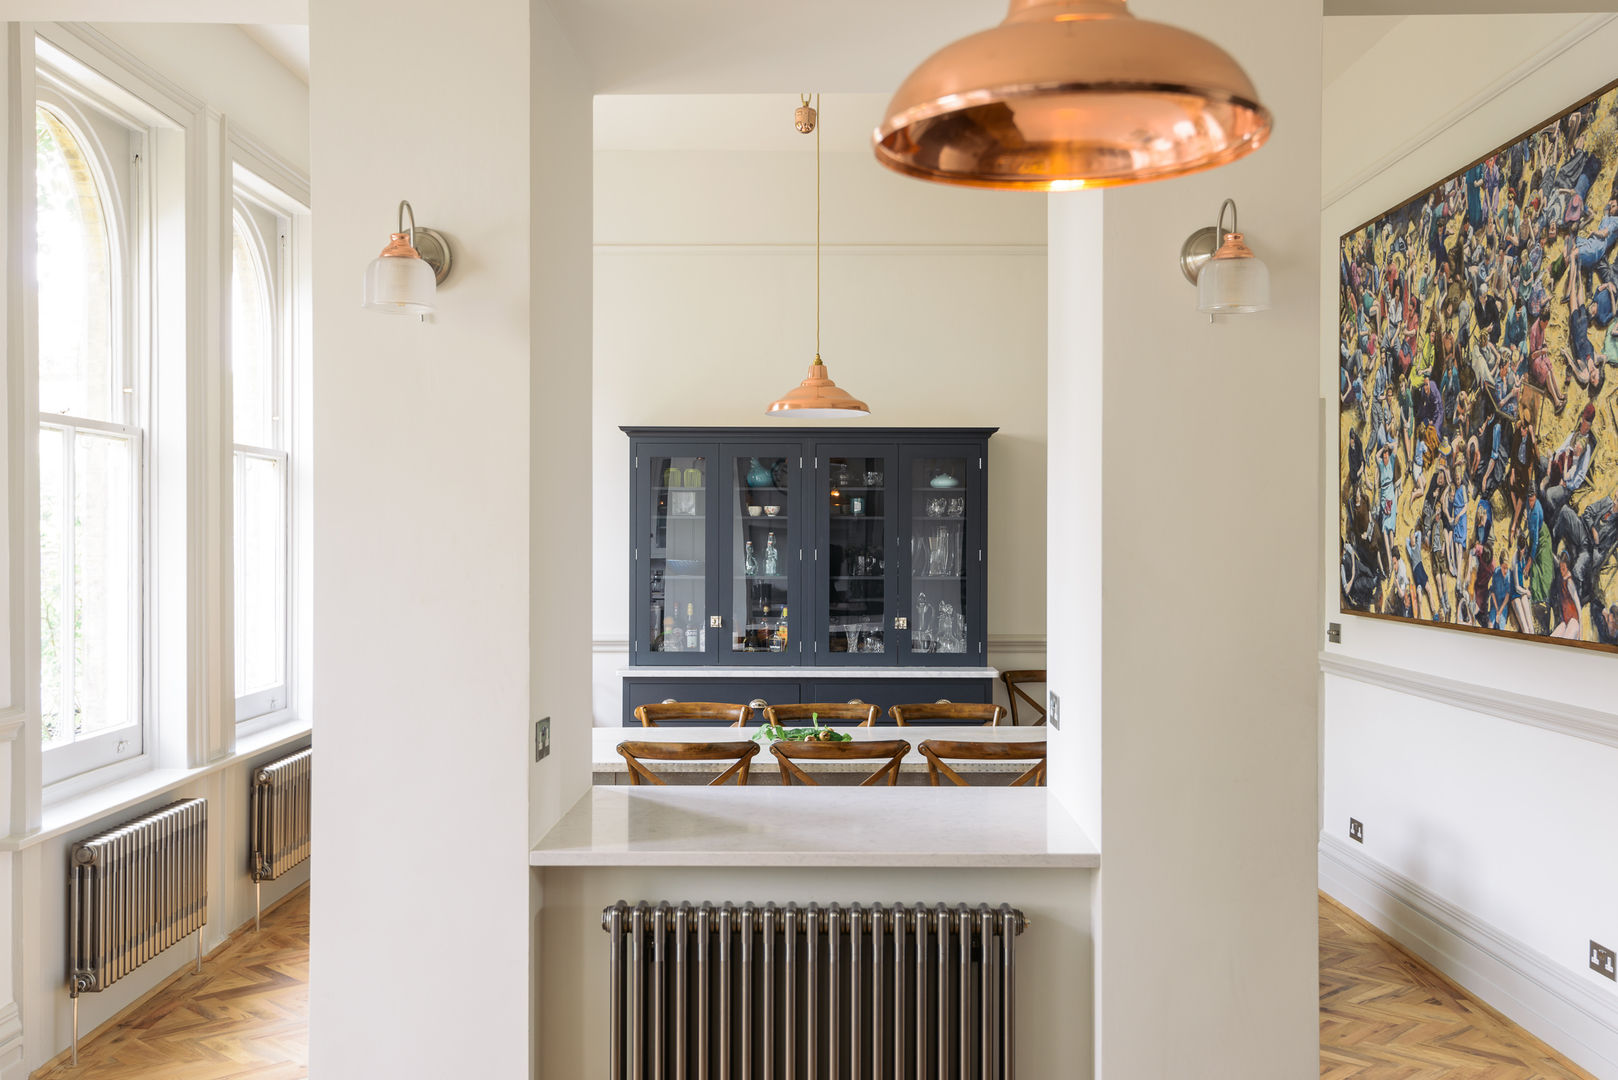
[1579, 1020]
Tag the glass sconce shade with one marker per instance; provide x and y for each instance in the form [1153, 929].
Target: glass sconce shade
[399, 280]
[1234, 281]
[1071, 94]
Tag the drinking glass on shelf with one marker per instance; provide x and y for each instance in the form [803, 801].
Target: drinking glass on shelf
[957, 506]
[873, 479]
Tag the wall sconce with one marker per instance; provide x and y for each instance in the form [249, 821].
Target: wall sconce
[1230, 279]
[404, 279]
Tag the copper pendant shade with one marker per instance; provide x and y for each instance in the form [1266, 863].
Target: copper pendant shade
[1069, 94]
[816, 397]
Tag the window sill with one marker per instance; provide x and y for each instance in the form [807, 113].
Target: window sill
[71, 813]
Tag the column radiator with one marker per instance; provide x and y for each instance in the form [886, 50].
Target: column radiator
[132, 892]
[278, 820]
[737, 992]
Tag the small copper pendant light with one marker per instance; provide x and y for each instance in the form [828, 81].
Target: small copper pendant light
[1069, 94]
[816, 397]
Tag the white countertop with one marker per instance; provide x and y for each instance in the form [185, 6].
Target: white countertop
[805, 826]
[604, 756]
[809, 672]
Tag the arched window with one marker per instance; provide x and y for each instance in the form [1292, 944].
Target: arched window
[89, 456]
[257, 346]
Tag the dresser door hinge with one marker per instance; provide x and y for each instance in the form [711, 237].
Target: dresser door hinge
[980, 463]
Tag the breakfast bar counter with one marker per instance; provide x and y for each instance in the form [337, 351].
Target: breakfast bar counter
[817, 827]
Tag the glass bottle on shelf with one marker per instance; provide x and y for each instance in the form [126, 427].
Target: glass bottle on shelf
[772, 558]
[757, 636]
[691, 635]
[778, 640]
[750, 563]
[673, 635]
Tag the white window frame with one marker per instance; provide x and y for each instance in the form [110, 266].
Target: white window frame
[273, 255]
[128, 223]
[267, 183]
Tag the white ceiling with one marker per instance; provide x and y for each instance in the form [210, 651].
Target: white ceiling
[719, 122]
[287, 43]
[1347, 39]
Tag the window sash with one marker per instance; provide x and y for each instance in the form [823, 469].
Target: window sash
[75, 754]
[276, 697]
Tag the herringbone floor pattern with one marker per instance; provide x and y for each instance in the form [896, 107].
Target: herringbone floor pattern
[1385, 1015]
[244, 1018]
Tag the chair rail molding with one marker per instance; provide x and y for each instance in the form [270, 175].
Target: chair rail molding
[1507, 80]
[1550, 1000]
[1593, 725]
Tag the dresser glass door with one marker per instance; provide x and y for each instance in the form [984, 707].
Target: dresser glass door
[677, 562]
[940, 548]
[766, 536]
[857, 547]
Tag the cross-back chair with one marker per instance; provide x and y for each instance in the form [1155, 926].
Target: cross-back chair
[720, 711]
[797, 715]
[936, 751]
[788, 754]
[1015, 680]
[739, 754]
[986, 714]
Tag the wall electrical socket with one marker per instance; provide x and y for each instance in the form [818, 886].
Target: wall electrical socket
[1053, 710]
[1603, 961]
[542, 738]
[1356, 830]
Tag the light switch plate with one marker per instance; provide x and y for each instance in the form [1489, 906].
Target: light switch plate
[1053, 711]
[1334, 633]
[542, 738]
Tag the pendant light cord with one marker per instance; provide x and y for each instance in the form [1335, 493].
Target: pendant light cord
[817, 227]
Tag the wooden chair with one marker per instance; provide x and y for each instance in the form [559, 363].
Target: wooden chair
[1014, 681]
[936, 750]
[987, 715]
[740, 754]
[799, 715]
[788, 754]
[733, 715]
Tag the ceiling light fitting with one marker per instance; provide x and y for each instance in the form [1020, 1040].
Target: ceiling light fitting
[1230, 279]
[1071, 94]
[404, 279]
[816, 397]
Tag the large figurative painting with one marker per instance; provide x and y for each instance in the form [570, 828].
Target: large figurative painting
[1478, 415]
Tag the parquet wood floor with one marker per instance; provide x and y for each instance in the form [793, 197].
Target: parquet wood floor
[244, 1018]
[1384, 1015]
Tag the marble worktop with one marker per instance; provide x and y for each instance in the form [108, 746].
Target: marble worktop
[765, 827]
[802, 672]
[604, 757]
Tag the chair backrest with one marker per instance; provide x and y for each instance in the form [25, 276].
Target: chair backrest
[1015, 680]
[920, 713]
[788, 754]
[725, 712]
[937, 750]
[797, 715]
[740, 754]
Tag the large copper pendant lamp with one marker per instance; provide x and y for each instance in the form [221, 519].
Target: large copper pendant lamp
[817, 397]
[1069, 94]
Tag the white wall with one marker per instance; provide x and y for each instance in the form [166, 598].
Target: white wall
[933, 313]
[422, 546]
[1206, 931]
[1497, 819]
